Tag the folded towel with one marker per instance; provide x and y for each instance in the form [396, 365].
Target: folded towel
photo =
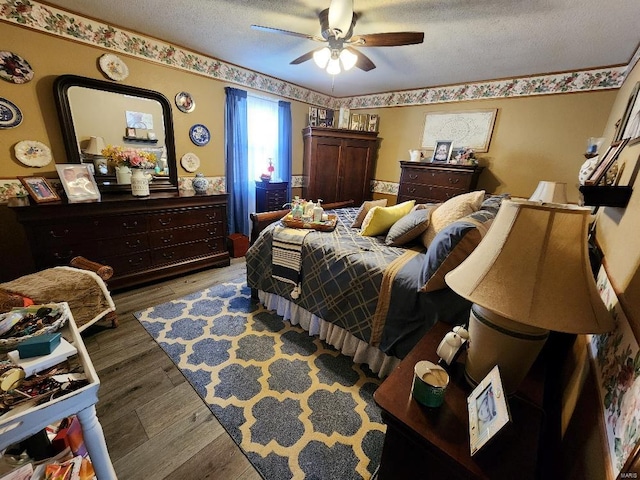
[287, 256]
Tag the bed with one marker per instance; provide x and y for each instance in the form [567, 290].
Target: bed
[366, 298]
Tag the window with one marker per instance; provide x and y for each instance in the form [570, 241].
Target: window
[262, 132]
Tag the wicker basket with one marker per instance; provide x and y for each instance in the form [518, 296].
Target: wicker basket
[327, 226]
[11, 342]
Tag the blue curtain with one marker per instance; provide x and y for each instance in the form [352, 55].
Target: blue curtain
[237, 162]
[284, 143]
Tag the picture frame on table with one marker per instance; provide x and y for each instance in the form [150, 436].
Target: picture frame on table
[442, 151]
[488, 410]
[39, 189]
[131, 132]
[608, 159]
[78, 182]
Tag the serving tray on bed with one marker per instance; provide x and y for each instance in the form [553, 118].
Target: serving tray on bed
[326, 226]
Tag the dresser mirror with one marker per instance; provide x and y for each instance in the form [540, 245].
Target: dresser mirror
[122, 116]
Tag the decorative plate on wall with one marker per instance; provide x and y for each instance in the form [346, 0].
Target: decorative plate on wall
[190, 162]
[10, 114]
[14, 68]
[185, 102]
[199, 134]
[113, 67]
[32, 153]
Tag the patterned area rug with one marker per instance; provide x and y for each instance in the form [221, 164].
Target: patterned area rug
[296, 407]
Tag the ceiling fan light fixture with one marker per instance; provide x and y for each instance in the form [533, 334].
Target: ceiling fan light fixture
[321, 57]
[340, 17]
[333, 67]
[348, 59]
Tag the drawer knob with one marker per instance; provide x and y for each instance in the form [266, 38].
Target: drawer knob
[166, 239]
[131, 244]
[412, 190]
[212, 216]
[131, 225]
[168, 255]
[453, 180]
[54, 234]
[413, 176]
[165, 222]
[135, 262]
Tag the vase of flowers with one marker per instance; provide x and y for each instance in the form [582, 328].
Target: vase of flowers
[465, 156]
[131, 166]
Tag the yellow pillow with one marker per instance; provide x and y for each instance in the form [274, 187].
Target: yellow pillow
[364, 209]
[380, 219]
[453, 209]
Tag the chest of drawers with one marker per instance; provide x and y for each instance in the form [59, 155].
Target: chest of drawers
[271, 196]
[431, 182]
[142, 239]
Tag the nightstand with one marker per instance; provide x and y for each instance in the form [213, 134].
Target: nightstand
[426, 442]
[270, 196]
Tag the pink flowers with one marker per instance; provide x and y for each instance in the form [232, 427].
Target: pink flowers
[130, 157]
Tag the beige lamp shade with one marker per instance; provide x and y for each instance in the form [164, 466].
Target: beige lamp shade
[95, 146]
[550, 192]
[532, 267]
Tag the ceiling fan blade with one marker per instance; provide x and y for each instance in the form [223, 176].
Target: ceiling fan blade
[287, 32]
[392, 39]
[305, 57]
[364, 62]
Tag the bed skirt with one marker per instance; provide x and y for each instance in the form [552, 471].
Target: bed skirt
[338, 337]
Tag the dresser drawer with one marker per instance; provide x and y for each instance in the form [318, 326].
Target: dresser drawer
[126, 244]
[187, 216]
[176, 236]
[124, 264]
[162, 256]
[428, 193]
[444, 178]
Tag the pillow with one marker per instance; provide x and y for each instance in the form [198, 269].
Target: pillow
[493, 202]
[453, 209]
[408, 227]
[380, 219]
[364, 209]
[451, 246]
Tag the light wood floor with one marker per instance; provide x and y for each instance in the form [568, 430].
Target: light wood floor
[155, 424]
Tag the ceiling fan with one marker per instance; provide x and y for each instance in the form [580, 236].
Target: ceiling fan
[336, 26]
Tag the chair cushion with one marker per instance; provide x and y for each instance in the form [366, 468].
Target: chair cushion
[408, 228]
[451, 246]
[364, 209]
[453, 209]
[380, 219]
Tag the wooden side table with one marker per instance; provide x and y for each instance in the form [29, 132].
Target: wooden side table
[271, 196]
[426, 442]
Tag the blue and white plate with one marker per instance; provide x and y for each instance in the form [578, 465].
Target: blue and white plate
[199, 134]
[10, 114]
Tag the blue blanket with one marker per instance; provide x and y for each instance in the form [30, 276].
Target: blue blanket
[359, 284]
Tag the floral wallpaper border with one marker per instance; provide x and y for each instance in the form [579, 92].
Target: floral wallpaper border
[70, 25]
[617, 360]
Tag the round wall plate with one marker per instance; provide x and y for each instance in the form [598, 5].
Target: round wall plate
[14, 68]
[32, 153]
[10, 114]
[199, 134]
[190, 162]
[113, 67]
[185, 102]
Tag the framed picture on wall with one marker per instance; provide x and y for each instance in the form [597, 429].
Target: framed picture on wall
[623, 123]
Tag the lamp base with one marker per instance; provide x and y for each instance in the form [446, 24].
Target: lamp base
[495, 340]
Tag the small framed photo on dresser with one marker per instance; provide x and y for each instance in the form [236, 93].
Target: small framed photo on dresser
[442, 151]
[39, 189]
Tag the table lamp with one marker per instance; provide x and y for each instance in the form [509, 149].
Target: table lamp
[529, 275]
[95, 146]
[550, 192]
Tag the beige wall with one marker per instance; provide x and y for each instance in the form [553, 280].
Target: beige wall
[534, 138]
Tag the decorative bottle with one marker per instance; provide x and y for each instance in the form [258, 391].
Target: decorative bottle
[317, 212]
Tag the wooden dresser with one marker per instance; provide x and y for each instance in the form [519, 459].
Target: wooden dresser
[143, 239]
[271, 196]
[338, 164]
[432, 182]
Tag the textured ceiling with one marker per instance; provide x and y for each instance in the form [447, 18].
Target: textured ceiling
[465, 40]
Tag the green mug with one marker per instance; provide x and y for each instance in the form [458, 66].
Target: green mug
[429, 383]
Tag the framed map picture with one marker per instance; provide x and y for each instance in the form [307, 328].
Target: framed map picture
[471, 129]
